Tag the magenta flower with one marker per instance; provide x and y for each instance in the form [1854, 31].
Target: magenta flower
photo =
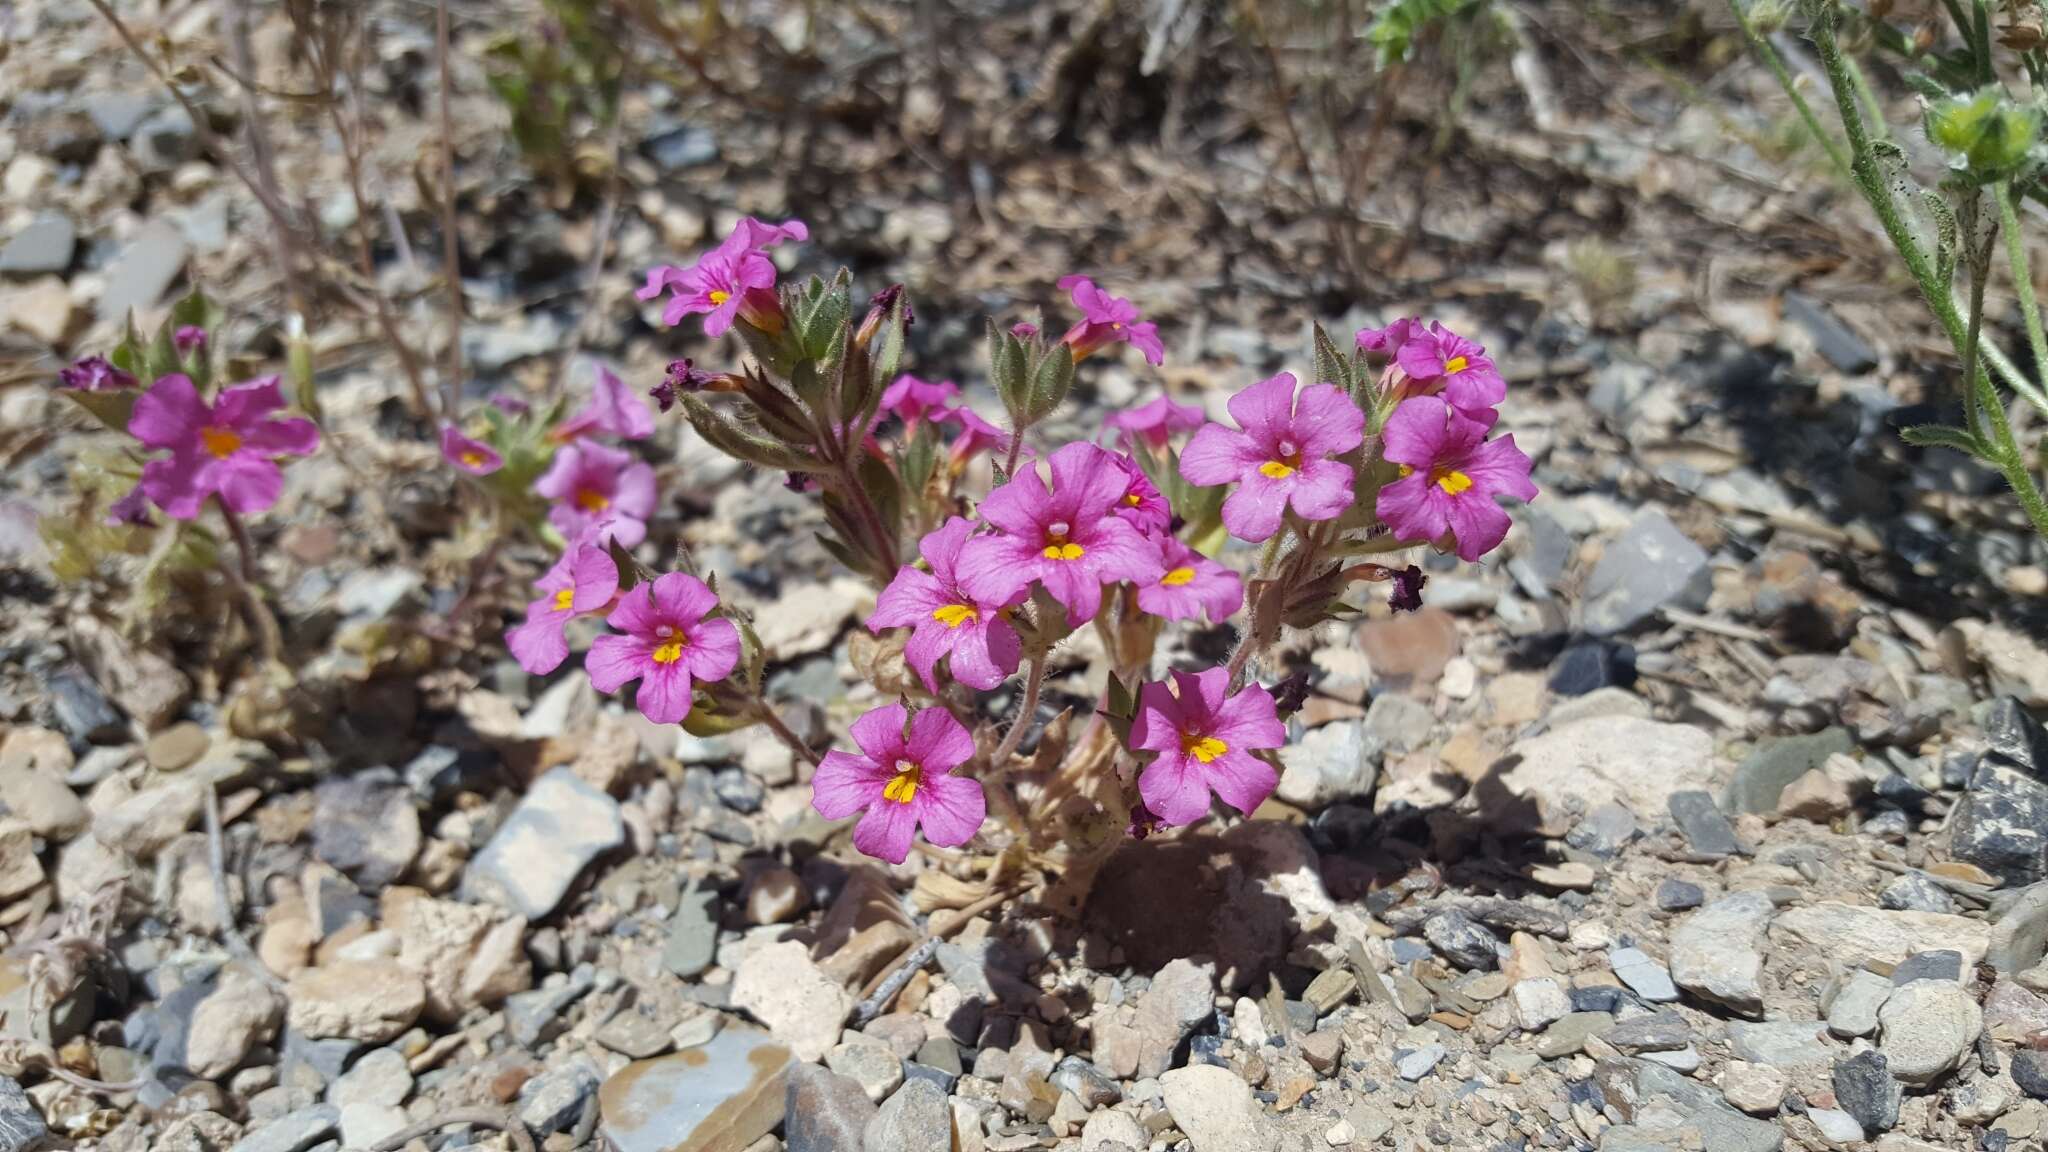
[613, 410]
[599, 492]
[583, 581]
[1448, 364]
[189, 339]
[468, 454]
[228, 448]
[1450, 476]
[94, 374]
[1205, 743]
[131, 509]
[1189, 585]
[1155, 422]
[1107, 319]
[976, 436]
[1406, 593]
[510, 405]
[667, 644]
[1141, 504]
[909, 398]
[1023, 329]
[902, 782]
[977, 634]
[722, 280]
[1069, 540]
[1279, 460]
[1389, 341]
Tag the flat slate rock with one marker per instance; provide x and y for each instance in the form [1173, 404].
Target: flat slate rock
[725, 1094]
[559, 828]
[45, 246]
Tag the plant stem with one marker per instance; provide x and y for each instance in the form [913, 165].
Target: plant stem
[451, 245]
[1034, 679]
[2022, 275]
[244, 579]
[1776, 63]
[782, 731]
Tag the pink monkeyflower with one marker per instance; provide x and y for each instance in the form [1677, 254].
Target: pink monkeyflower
[1446, 363]
[910, 399]
[131, 509]
[1280, 459]
[667, 645]
[1141, 504]
[189, 339]
[1450, 476]
[1068, 539]
[94, 374]
[901, 782]
[1023, 329]
[735, 276]
[227, 448]
[1205, 743]
[948, 621]
[613, 409]
[1155, 422]
[1191, 584]
[467, 453]
[599, 492]
[583, 581]
[1389, 341]
[976, 436]
[1107, 319]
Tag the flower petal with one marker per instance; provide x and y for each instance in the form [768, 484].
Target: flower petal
[615, 660]
[845, 784]
[1326, 422]
[713, 651]
[950, 807]
[248, 482]
[939, 742]
[1253, 511]
[538, 643]
[1242, 780]
[887, 830]
[1173, 787]
[879, 733]
[664, 695]
[1322, 491]
[169, 415]
[241, 406]
[1266, 410]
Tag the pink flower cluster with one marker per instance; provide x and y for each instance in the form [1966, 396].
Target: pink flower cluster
[734, 279]
[226, 448]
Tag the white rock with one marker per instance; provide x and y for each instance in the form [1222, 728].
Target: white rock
[1572, 770]
[1926, 1027]
[1110, 1128]
[1539, 1002]
[238, 1014]
[803, 1007]
[561, 825]
[1836, 1125]
[1757, 1089]
[366, 1000]
[1714, 952]
[1216, 1108]
[1853, 935]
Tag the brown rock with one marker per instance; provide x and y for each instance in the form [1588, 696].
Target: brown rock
[179, 746]
[1409, 651]
[20, 871]
[366, 1000]
[33, 764]
[1815, 796]
[240, 1013]
[286, 944]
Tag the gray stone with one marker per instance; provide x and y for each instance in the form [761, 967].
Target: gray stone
[140, 275]
[294, 1132]
[366, 826]
[1089, 1084]
[916, 1119]
[1915, 893]
[1664, 1031]
[2019, 933]
[1721, 1128]
[529, 1014]
[1944, 964]
[21, 1126]
[1182, 995]
[1779, 1043]
[1853, 1011]
[1605, 831]
[554, 1100]
[1414, 1064]
[2013, 736]
[1569, 1035]
[1926, 1027]
[2001, 826]
[44, 246]
[727, 1093]
[558, 829]
[82, 709]
[1539, 1000]
[1836, 342]
[165, 140]
[1707, 831]
[2030, 1072]
[680, 146]
[116, 114]
[1714, 953]
[1215, 1108]
[870, 1062]
[1686, 1059]
[1573, 768]
[1331, 763]
[1775, 763]
[1462, 941]
[1398, 723]
[1651, 565]
[380, 1077]
[826, 1112]
[693, 934]
[1675, 895]
[1643, 975]
[1865, 1089]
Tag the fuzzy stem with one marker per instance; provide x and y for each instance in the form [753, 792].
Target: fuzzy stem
[782, 731]
[2022, 275]
[451, 245]
[1034, 679]
[244, 579]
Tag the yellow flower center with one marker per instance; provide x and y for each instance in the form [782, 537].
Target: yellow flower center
[221, 442]
[720, 296]
[591, 501]
[953, 615]
[670, 651]
[473, 458]
[564, 599]
[1455, 365]
[1452, 482]
[1203, 748]
[1058, 547]
[1177, 577]
[1131, 499]
[902, 787]
[1276, 469]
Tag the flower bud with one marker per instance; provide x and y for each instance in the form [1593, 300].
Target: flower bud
[1990, 132]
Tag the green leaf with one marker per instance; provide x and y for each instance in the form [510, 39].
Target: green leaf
[885, 354]
[1007, 369]
[883, 490]
[825, 309]
[109, 408]
[1331, 366]
[629, 568]
[728, 437]
[1051, 379]
[920, 457]
[1945, 436]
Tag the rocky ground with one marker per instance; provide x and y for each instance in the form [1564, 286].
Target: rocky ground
[1711, 813]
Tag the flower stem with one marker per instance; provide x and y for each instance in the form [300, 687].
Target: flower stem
[244, 580]
[1034, 679]
[782, 730]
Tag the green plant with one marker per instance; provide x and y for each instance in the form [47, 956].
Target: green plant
[1992, 140]
[554, 81]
